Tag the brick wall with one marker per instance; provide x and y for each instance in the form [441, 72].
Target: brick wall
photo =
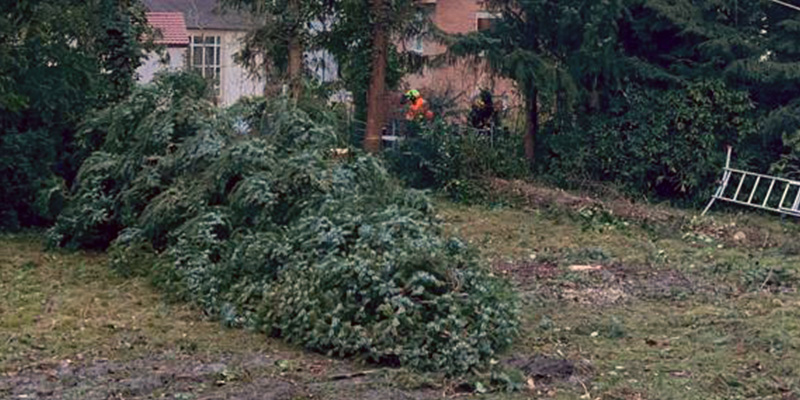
[456, 16]
[462, 79]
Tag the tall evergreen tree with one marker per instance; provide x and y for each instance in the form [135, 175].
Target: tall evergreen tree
[58, 59]
[754, 46]
[277, 45]
[121, 27]
[554, 51]
[363, 57]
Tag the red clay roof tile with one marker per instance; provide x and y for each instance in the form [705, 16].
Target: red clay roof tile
[171, 28]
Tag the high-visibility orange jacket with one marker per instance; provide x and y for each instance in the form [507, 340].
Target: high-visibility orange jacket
[419, 110]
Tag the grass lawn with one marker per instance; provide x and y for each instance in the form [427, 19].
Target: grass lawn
[70, 328]
[694, 310]
[613, 308]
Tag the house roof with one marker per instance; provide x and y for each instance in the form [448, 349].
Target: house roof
[204, 14]
[171, 28]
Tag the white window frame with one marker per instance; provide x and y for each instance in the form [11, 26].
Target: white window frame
[212, 71]
[416, 44]
[484, 15]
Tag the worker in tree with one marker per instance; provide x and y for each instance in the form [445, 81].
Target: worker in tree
[418, 107]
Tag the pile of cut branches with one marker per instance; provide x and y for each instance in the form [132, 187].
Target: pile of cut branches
[272, 231]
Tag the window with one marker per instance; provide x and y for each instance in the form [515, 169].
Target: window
[416, 44]
[204, 58]
[485, 20]
[423, 15]
[485, 24]
[323, 64]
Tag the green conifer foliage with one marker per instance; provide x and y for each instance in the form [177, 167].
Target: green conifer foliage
[58, 60]
[273, 232]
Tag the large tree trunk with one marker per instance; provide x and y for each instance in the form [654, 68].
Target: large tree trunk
[377, 82]
[295, 51]
[532, 129]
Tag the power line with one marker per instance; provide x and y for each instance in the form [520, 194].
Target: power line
[792, 6]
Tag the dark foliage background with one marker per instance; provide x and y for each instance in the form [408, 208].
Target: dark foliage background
[648, 93]
[58, 60]
[675, 153]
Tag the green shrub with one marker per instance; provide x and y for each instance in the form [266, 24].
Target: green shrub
[128, 164]
[269, 231]
[785, 123]
[58, 60]
[27, 182]
[664, 143]
[441, 157]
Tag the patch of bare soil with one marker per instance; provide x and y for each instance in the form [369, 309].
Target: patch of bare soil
[527, 273]
[604, 284]
[648, 283]
[544, 369]
[594, 296]
[173, 376]
[139, 378]
[543, 372]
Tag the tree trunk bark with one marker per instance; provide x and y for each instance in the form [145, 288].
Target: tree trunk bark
[594, 97]
[529, 141]
[295, 68]
[377, 83]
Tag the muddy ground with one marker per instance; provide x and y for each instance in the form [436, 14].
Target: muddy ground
[174, 376]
